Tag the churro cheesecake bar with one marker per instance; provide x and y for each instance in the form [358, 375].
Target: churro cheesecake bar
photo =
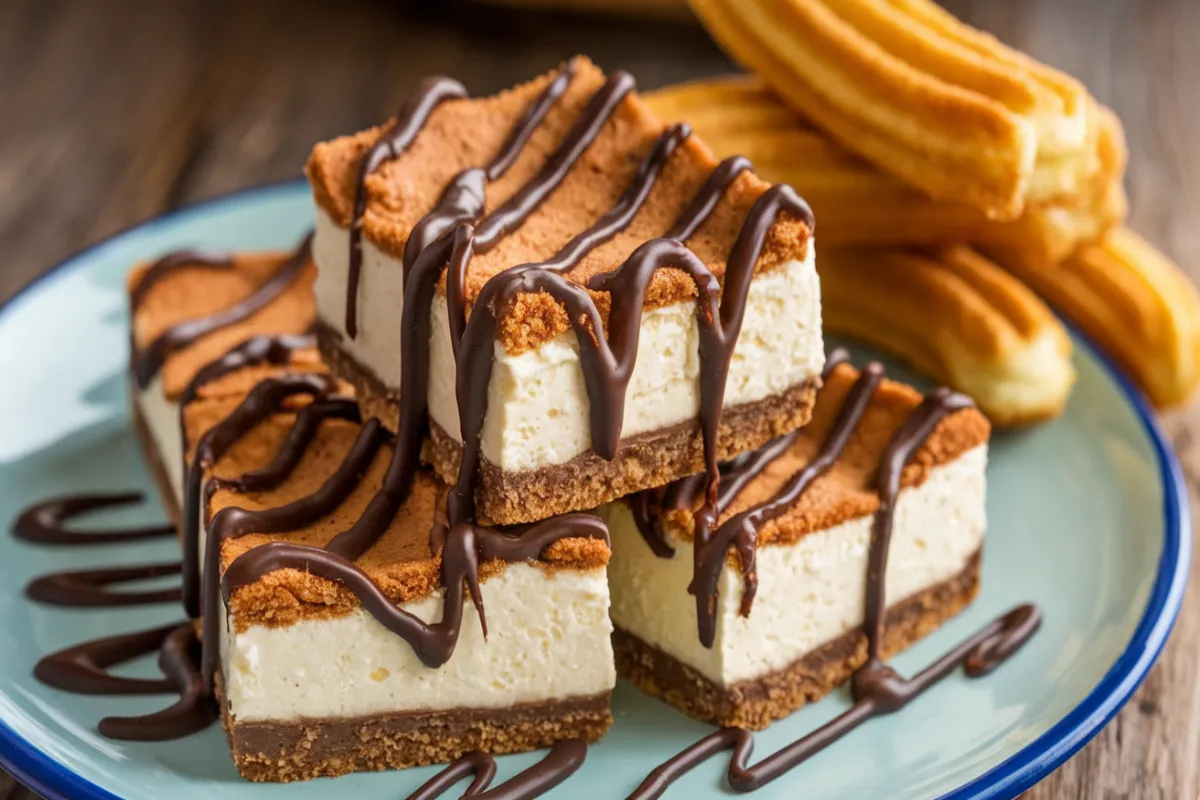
[588, 281]
[189, 309]
[866, 524]
[330, 652]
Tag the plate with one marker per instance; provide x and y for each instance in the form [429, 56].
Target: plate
[1086, 520]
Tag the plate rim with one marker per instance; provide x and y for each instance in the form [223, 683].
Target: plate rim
[55, 781]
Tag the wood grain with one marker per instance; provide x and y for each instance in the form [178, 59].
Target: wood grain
[117, 111]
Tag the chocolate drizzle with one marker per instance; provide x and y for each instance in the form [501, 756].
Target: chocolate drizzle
[412, 116]
[88, 588]
[174, 262]
[42, 522]
[466, 546]
[876, 687]
[149, 360]
[979, 655]
[447, 238]
[265, 399]
[83, 668]
[559, 764]
[463, 200]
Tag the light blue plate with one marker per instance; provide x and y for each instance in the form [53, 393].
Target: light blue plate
[1087, 520]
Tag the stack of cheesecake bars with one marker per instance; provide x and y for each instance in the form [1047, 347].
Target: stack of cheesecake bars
[541, 402]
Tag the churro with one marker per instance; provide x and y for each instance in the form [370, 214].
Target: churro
[924, 97]
[1135, 303]
[859, 205]
[956, 317]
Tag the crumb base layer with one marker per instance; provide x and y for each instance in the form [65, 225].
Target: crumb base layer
[642, 462]
[324, 748]
[158, 470]
[754, 704]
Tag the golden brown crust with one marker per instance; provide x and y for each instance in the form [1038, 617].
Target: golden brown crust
[306, 749]
[957, 317]
[756, 703]
[188, 294]
[945, 107]
[847, 490]
[1135, 303]
[860, 205]
[466, 133]
[585, 482]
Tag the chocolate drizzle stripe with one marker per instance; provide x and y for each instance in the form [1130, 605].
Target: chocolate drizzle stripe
[647, 506]
[275, 350]
[563, 760]
[82, 669]
[149, 360]
[513, 212]
[464, 198]
[232, 522]
[42, 522]
[88, 588]
[194, 711]
[267, 349]
[741, 530]
[304, 429]
[618, 218]
[175, 262]
[979, 655]
[900, 450]
[265, 399]
[465, 547]
[410, 119]
[479, 765]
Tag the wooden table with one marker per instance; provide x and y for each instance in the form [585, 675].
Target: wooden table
[116, 111]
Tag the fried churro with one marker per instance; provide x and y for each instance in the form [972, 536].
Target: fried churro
[1135, 303]
[956, 317]
[859, 205]
[947, 108]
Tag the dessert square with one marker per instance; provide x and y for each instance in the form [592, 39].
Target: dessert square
[435, 641]
[189, 309]
[602, 267]
[770, 615]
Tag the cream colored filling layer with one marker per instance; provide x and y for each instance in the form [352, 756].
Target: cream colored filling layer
[161, 416]
[810, 592]
[537, 401]
[548, 639]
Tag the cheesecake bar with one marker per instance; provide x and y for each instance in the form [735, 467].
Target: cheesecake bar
[620, 271]
[189, 309]
[770, 614]
[438, 640]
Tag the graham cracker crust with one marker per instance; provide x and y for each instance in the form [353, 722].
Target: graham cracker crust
[315, 748]
[755, 704]
[158, 471]
[644, 461]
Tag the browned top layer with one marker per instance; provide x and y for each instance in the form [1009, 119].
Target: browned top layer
[189, 294]
[847, 490]
[469, 133]
[400, 562]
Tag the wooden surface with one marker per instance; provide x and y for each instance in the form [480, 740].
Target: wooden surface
[116, 111]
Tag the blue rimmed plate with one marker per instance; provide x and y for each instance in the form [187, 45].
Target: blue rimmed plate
[1087, 519]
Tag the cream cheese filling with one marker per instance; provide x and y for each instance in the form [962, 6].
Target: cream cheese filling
[809, 592]
[548, 639]
[537, 402]
[161, 418]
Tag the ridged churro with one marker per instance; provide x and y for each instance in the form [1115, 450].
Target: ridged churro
[945, 107]
[956, 317]
[859, 205]
[1135, 303]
